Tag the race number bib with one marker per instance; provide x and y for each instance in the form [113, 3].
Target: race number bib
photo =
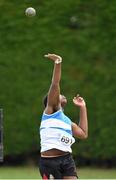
[66, 139]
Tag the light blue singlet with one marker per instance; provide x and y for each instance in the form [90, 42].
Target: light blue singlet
[56, 132]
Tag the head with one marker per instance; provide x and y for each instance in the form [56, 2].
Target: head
[62, 98]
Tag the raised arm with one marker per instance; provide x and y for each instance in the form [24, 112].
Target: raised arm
[53, 101]
[81, 130]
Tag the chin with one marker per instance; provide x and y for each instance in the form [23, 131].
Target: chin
[64, 103]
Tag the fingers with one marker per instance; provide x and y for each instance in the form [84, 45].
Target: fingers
[73, 100]
[47, 55]
[78, 97]
[52, 56]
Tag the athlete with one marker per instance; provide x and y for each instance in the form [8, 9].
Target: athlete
[57, 130]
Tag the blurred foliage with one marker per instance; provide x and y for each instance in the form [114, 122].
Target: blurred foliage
[89, 68]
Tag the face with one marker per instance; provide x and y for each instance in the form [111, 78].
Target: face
[63, 100]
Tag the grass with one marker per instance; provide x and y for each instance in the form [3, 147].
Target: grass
[97, 173]
[33, 173]
[19, 173]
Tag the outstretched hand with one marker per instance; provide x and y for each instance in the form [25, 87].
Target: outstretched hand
[53, 57]
[79, 101]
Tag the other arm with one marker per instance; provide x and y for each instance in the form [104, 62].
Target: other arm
[81, 130]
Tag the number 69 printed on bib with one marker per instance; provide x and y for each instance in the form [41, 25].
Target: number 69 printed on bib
[66, 139]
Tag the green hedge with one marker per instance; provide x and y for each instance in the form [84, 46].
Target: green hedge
[89, 68]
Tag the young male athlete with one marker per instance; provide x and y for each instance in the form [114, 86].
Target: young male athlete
[57, 130]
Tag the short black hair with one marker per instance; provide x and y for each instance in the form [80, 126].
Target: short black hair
[45, 99]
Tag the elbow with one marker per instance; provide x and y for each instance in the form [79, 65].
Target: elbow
[85, 135]
[82, 136]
